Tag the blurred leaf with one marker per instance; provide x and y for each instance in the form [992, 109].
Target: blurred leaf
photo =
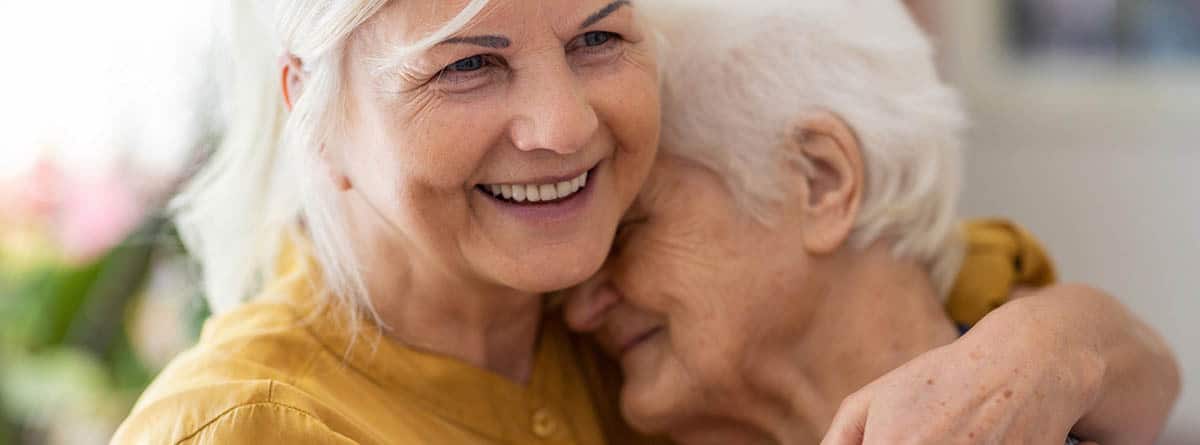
[130, 375]
[8, 429]
[198, 313]
[40, 311]
[123, 274]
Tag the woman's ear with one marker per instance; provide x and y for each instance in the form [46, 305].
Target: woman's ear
[834, 178]
[292, 81]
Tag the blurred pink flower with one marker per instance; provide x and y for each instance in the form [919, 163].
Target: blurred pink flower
[32, 198]
[85, 216]
[95, 214]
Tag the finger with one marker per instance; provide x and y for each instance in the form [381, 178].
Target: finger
[586, 307]
[849, 424]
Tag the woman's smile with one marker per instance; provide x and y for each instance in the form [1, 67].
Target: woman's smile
[544, 192]
[549, 199]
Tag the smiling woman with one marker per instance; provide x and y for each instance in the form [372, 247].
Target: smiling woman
[418, 176]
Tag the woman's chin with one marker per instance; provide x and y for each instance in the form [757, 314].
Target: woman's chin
[548, 284]
[551, 273]
[645, 410]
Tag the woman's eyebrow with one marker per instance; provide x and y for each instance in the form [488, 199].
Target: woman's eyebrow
[604, 12]
[495, 42]
[501, 42]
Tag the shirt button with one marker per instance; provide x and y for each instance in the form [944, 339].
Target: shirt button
[544, 424]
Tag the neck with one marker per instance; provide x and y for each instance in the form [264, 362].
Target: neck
[876, 314]
[427, 306]
[489, 328]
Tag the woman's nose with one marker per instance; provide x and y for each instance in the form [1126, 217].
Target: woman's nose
[554, 113]
[588, 307]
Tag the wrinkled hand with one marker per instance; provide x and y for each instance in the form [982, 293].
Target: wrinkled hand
[997, 385]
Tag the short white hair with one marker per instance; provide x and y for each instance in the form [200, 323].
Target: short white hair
[246, 206]
[739, 75]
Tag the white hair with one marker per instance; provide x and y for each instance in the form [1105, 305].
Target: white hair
[247, 204]
[740, 75]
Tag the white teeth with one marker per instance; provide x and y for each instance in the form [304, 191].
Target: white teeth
[538, 192]
[548, 192]
[532, 193]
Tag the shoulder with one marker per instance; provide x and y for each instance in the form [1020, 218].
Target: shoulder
[1001, 257]
[235, 387]
[266, 422]
[239, 413]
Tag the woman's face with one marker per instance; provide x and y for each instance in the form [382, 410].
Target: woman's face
[506, 154]
[696, 293]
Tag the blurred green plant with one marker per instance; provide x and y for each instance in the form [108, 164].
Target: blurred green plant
[69, 371]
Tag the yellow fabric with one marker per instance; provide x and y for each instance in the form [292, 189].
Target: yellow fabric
[282, 370]
[1000, 258]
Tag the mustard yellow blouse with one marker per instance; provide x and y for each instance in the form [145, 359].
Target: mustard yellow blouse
[282, 371]
[1000, 257]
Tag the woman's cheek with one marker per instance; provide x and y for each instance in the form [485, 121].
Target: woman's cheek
[635, 123]
[632, 87]
[450, 146]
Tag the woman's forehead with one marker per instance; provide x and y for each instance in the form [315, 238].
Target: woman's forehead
[404, 22]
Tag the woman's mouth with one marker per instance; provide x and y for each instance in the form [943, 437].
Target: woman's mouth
[551, 201]
[638, 340]
[531, 194]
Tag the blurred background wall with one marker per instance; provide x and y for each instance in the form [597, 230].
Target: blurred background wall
[1086, 121]
[1086, 128]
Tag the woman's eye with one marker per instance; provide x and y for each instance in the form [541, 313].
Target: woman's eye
[473, 63]
[597, 38]
[595, 42]
[469, 73]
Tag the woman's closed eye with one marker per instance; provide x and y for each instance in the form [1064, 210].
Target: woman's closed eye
[625, 230]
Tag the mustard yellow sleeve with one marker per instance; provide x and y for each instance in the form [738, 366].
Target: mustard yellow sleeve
[265, 423]
[1000, 256]
[199, 421]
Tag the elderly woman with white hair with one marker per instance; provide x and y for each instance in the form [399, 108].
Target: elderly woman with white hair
[400, 185]
[781, 277]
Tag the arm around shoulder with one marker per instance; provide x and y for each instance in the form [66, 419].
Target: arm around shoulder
[1138, 376]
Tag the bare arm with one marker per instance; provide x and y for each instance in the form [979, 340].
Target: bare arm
[1139, 376]
[1062, 358]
